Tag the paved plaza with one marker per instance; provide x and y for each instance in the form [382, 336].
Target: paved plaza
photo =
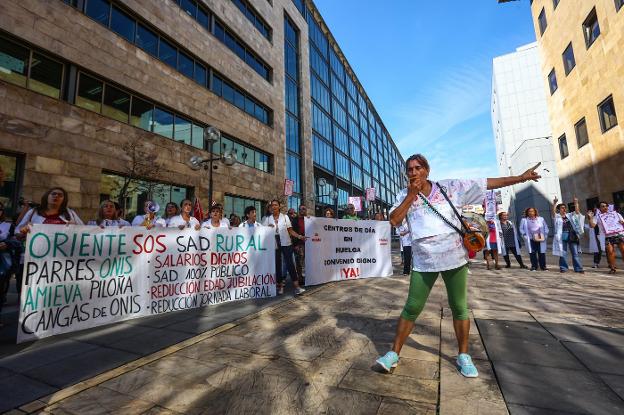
[544, 343]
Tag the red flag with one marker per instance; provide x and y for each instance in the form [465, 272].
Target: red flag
[197, 210]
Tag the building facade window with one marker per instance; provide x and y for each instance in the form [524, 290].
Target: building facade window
[237, 204]
[138, 191]
[618, 200]
[541, 20]
[552, 81]
[591, 28]
[619, 4]
[555, 4]
[300, 6]
[254, 17]
[12, 166]
[568, 59]
[563, 147]
[245, 154]
[582, 137]
[173, 55]
[323, 153]
[607, 115]
[25, 67]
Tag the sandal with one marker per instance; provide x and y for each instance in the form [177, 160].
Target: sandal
[612, 271]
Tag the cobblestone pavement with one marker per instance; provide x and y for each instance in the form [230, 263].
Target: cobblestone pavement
[314, 354]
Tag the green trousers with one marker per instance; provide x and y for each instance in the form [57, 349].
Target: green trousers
[420, 287]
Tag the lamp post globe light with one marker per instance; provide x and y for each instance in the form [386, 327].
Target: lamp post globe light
[212, 136]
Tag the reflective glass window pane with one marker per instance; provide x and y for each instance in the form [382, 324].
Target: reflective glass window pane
[122, 24]
[261, 114]
[46, 76]
[292, 133]
[198, 136]
[116, 104]
[167, 53]
[203, 18]
[250, 107]
[292, 101]
[216, 85]
[141, 114]
[293, 172]
[147, 40]
[239, 99]
[290, 54]
[200, 74]
[163, 122]
[219, 31]
[185, 64]
[98, 10]
[89, 95]
[248, 157]
[13, 62]
[190, 7]
[182, 131]
[228, 92]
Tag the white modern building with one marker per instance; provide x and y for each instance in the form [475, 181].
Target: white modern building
[522, 130]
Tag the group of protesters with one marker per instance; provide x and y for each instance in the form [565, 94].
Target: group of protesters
[504, 238]
[54, 209]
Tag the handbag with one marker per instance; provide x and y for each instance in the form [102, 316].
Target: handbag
[472, 240]
[538, 237]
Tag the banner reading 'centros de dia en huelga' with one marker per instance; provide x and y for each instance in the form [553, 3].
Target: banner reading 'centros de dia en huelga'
[78, 277]
[339, 249]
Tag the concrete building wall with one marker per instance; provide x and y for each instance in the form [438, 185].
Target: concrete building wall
[595, 170]
[522, 130]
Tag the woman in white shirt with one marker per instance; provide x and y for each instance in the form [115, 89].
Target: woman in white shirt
[216, 219]
[283, 246]
[250, 215]
[534, 230]
[52, 210]
[171, 211]
[107, 216]
[437, 248]
[185, 219]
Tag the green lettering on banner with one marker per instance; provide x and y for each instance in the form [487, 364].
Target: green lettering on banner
[32, 241]
[84, 244]
[52, 296]
[122, 243]
[97, 245]
[219, 242]
[239, 242]
[57, 244]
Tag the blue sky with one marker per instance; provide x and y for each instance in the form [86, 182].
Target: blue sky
[427, 67]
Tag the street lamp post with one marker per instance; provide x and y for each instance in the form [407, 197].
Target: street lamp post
[211, 136]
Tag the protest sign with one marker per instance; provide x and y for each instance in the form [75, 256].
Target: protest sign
[339, 249]
[611, 223]
[490, 205]
[356, 201]
[370, 194]
[78, 277]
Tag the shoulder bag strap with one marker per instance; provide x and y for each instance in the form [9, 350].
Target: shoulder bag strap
[461, 220]
[438, 214]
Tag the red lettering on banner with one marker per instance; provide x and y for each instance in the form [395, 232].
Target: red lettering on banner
[349, 273]
[148, 244]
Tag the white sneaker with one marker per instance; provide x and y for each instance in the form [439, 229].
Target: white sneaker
[299, 291]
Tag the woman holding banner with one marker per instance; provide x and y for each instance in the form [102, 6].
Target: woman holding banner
[283, 246]
[107, 216]
[171, 211]
[431, 212]
[185, 219]
[216, 219]
[52, 210]
[611, 225]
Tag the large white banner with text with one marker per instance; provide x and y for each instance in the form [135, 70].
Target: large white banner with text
[78, 277]
[339, 249]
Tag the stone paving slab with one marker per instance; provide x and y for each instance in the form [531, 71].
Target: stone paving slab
[599, 358]
[586, 334]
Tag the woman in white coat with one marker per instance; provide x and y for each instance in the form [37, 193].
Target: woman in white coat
[569, 228]
[494, 244]
[510, 240]
[596, 242]
[534, 231]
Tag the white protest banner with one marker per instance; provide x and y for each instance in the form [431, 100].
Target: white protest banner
[611, 223]
[78, 277]
[370, 194]
[339, 249]
[490, 205]
[356, 201]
